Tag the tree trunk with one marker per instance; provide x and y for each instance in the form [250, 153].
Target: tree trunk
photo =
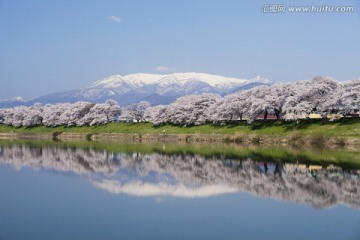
[277, 114]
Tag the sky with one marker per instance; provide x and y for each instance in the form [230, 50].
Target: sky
[51, 46]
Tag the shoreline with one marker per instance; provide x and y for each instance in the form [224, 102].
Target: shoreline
[344, 132]
[292, 138]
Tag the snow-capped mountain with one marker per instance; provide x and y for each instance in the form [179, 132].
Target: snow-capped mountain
[14, 99]
[154, 88]
[163, 89]
[9, 102]
[177, 83]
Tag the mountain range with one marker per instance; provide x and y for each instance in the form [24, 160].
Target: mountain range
[154, 88]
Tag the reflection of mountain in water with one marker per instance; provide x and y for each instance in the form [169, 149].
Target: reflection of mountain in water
[193, 175]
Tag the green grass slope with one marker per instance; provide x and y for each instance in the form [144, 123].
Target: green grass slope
[348, 127]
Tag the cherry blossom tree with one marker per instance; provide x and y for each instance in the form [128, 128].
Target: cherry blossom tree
[191, 109]
[33, 115]
[135, 111]
[102, 113]
[53, 114]
[156, 114]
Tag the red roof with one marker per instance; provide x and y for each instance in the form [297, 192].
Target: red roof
[269, 116]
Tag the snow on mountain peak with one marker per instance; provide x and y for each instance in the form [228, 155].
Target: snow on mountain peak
[212, 80]
[133, 80]
[142, 79]
[109, 82]
[169, 85]
[260, 79]
[14, 99]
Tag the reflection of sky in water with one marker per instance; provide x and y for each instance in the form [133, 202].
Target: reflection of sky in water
[270, 167]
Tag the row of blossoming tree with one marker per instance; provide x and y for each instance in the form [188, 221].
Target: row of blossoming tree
[291, 101]
[61, 114]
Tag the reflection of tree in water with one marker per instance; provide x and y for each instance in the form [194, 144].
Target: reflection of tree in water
[317, 185]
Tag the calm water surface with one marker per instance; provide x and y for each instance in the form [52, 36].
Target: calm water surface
[127, 191]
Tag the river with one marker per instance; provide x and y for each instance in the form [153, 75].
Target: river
[112, 190]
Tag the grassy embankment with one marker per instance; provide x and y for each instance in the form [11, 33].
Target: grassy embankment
[315, 131]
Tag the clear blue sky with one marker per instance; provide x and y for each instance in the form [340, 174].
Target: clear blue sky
[49, 46]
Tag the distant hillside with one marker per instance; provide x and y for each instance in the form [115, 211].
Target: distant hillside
[156, 89]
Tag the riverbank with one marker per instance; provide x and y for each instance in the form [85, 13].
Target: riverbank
[309, 132]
